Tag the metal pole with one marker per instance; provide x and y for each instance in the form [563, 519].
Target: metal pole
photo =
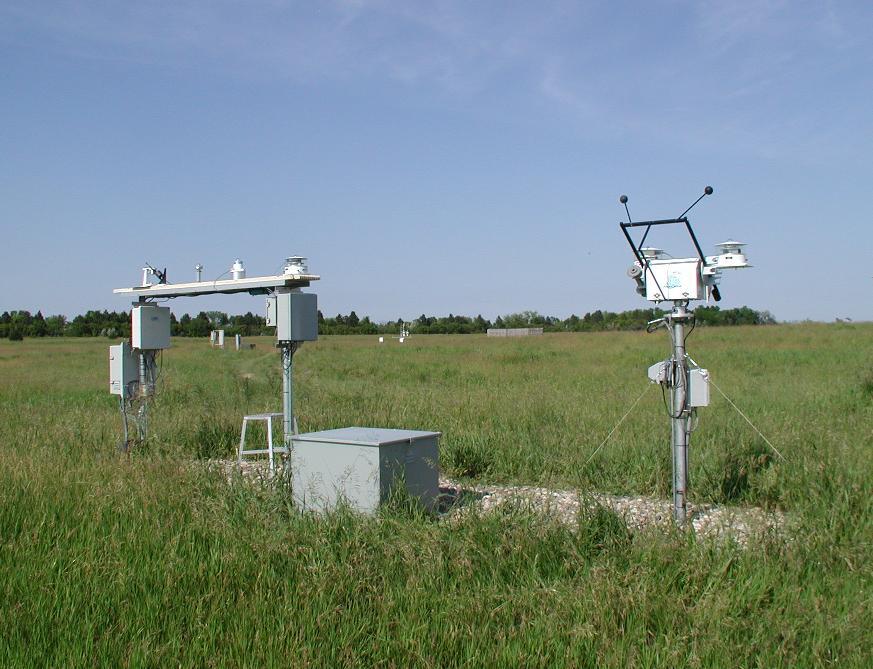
[287, 393]
[141, 424]
[146, 388]
[143, 377]
[123, 400]
[679, 414]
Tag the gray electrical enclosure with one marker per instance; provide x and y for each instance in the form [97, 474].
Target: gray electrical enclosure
[123, 368]
[698, 388]
[360, 466]
[295, 315]
[150, 327]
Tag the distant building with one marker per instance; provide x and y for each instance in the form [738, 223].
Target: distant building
[514, 332]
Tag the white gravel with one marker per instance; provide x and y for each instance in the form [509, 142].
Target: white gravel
[742, 524]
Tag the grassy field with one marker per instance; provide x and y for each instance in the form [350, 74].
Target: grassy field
[156, 560]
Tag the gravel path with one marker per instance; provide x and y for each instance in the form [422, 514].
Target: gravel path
[742, 524]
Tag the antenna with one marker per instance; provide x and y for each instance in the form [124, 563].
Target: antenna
[706, 191]
[661, 278]
[623, 200]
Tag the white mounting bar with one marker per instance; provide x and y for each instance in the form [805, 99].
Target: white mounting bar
[256, 285]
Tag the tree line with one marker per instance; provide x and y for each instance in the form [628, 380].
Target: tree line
[16, 325]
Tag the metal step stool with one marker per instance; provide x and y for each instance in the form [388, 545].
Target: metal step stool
[268, 419]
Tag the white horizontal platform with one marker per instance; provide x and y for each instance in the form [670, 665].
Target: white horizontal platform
[255, 285]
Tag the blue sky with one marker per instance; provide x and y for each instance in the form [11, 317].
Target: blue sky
[435, 157]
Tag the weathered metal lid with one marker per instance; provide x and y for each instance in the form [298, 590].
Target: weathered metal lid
[364, 436]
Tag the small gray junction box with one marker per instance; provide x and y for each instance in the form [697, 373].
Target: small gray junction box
[698, 388]
[359, 466]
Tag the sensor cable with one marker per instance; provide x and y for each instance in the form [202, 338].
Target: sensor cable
[627, 413]
[760, 434]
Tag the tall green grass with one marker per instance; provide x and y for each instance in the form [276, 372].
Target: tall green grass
[157, 559]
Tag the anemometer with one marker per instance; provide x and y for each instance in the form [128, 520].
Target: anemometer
[662, 278]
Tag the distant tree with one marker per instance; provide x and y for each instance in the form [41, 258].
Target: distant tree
[106, 323]
[55, 325]
[199, 326]
[367, 326]
[766, 318]
[518, 320]
[216, 318]
[38, 327]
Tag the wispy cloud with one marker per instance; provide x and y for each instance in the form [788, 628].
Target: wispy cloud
[701, 73]
[454, 44]
[749, 78]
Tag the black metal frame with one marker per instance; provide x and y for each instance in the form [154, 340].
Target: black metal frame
[648, 225]
[682, 218]
[644, 262]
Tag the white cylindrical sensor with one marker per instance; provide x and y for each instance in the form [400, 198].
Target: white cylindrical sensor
[295, 266]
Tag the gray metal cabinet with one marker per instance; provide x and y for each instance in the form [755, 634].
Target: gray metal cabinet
[361, 465]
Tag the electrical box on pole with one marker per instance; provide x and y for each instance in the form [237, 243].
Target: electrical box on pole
[296, 316]
[123, 369]
[150, 327]
[698, 387]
